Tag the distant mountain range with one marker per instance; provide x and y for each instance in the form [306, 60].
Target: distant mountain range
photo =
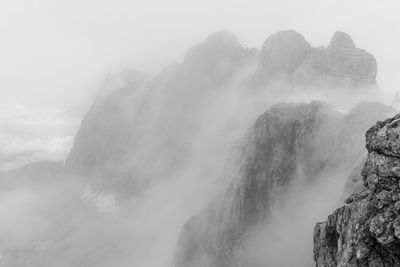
[273, 132]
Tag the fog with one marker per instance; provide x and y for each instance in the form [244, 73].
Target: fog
[170, 150]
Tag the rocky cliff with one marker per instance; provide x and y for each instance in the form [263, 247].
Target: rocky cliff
[136, 120]
[289, 146]
[365, 232]
[289, 57]
[142, 127]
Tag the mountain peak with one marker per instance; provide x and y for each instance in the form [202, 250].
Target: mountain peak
[282, 52]
[341, 40]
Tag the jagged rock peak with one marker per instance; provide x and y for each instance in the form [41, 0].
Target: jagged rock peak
[218, 58]
[287, 56]
[341, 40]
[383, 138]
[366, 231]
[282, 53]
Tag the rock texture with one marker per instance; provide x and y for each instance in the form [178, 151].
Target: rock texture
[365, 232]
[107, 126]
[282, 53]
[351, 62]
[142, 128]
[166, 111]
[289, 143]
[287, 56]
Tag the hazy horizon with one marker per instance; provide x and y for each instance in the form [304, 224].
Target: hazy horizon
[54, 54]
[228, 159]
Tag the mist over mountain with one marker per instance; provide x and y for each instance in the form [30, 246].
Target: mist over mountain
[287, 54]
[227, 158]
[139, 122]
[291, 150]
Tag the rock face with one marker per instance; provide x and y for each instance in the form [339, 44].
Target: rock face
[287, 145]
[140, 128]
[107, 127]
[349, 61]
[282, 53]
[341, 40]
[365, 232]
[287, 56]
[128, 101]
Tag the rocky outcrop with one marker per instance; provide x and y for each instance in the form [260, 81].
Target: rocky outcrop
[365, 232]
[139, 122]
[288, 145]
[287, 56]
[347, 61]
[341, 40]
[268, 163]
[282, 53]
[141, 128]
[107, 127]
[219, 57]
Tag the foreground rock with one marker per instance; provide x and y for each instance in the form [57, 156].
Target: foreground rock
[289, 146]
[366, 231]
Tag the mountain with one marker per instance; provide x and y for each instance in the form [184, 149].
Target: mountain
[150, 151]
[140, 128]
[289, 150]
[365, 232]
[287, 54]
[146, 127]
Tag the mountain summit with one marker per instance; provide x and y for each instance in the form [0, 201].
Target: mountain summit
[287, 55]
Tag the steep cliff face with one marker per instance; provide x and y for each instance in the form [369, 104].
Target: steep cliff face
[365, 232]
[282, 53]
[268, 163]
[288, 146]
[287, 56]
[139, 123]
[342, 63]
[107, 126]
[141, 127]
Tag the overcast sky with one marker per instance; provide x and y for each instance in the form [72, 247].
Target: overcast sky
[53, 53]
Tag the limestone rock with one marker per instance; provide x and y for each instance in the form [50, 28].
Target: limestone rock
[141, 128]
[288, 143]
[282, 53]
[288, 57]
[106, 128]
[365, 232]
[341, 40]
